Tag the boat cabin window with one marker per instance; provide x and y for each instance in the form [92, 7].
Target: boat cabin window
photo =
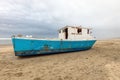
[79, 31]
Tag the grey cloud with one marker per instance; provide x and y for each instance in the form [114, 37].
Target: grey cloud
[44, 17]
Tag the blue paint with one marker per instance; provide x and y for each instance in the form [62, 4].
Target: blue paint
[24, 47]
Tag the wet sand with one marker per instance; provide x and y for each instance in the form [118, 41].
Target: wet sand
[102, 62]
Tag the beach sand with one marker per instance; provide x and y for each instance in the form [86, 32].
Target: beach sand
[102, 62]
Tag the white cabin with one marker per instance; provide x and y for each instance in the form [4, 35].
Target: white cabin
[75, 33]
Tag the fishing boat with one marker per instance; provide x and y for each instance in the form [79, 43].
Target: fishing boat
[71, 38]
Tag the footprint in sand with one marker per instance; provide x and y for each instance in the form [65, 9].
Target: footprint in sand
[19, 74]
[37, 78]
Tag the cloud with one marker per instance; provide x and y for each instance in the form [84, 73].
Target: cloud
[44, 17]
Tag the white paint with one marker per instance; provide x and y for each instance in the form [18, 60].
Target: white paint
[29, 36]
[73, 33]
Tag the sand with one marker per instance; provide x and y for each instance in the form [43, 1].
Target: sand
[102, 62]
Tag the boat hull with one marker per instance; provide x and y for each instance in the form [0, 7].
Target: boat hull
[26, 47]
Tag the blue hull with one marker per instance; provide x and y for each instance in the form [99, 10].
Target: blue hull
[25, 47]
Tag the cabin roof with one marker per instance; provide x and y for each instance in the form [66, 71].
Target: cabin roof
[73, 27]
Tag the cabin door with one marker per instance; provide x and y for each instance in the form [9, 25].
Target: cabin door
[66, 33]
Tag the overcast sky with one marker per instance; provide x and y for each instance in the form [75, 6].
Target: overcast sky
[42, 18]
